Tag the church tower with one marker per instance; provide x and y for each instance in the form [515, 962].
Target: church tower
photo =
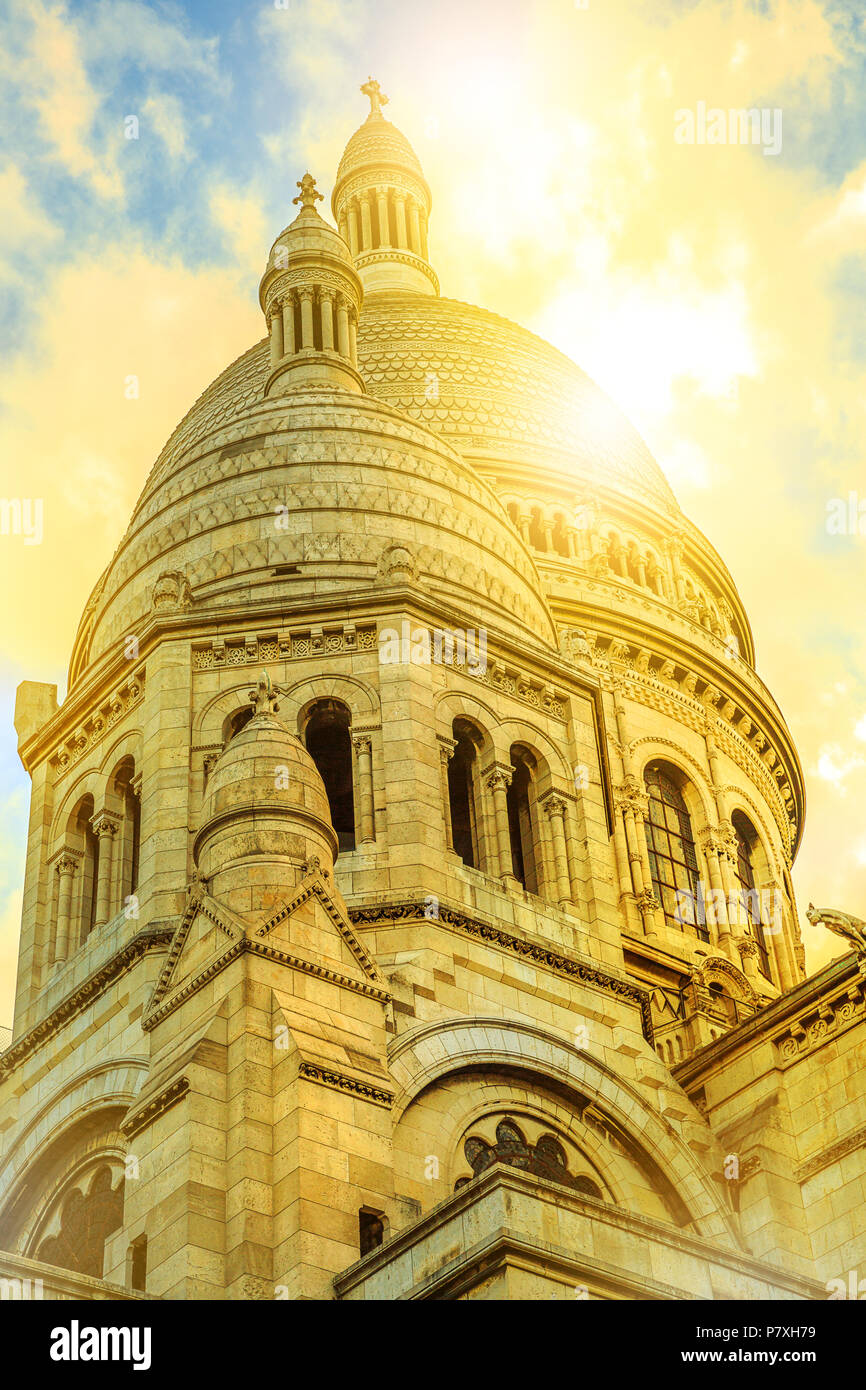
[408, 906]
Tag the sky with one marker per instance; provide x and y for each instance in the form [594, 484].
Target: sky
[149, 153]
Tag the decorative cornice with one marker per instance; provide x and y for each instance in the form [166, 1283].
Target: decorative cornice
[536, 952]
[300, 644]
[143, 1118]
[813, 1165]
[95, 725]
[150, 940]
[337, 1081]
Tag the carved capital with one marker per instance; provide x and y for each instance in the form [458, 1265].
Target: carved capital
[105, 823]
[498, 777]
[362, 743]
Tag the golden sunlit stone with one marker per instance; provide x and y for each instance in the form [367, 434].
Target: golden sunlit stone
[408, 904]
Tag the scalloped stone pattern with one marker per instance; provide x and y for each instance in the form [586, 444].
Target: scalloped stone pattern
[485, 384]
[491, 387]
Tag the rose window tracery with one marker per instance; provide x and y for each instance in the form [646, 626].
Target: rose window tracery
[86, 1220]
[545, 1159]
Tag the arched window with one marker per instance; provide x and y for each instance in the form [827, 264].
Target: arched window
[522, 819]
[87, 1217]
[371, 1230]
[83, 839]
[536, 530]
[122, 788]
[749, 898]
[329, 744]
[462, 772]
[672, 855]
[560, 536]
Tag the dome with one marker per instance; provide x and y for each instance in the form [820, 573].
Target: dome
[489, 386]
[242, 779]
[265, 816]
[377, 144]
[259, 498]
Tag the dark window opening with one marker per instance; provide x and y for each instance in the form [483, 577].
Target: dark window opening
[750, 906]
[520, 822]
[86, 1222]
[536, 531]
[461, 798]
[329, 744]
[371, 1231]
[236, 722]
[138, 1264]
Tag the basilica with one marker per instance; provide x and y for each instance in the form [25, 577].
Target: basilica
[408, 908]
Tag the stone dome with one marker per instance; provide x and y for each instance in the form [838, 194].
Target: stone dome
[377, 144]
[264, 802]
[253, 501]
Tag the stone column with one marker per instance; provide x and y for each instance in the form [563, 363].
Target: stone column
[66, 866]
[674, 549]
[523, 524]
[353, 340]
[288, 326]
[308, 338]
[354, 243]
[384, 224]
[363, 745]
[547, 527]
[105, 828]
[343, 327]
[400, 213]
[423, 219]
[498, 782]
[366, 223]
[276, 336]
[326, 314]
[446, 753]
[555, 808]
[414, 228]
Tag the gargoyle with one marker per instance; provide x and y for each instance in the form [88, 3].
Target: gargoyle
[853, 929]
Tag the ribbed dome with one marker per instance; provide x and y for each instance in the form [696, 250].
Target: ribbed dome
[243, 778]
[377, 143]
[353, 476]
[474, 377]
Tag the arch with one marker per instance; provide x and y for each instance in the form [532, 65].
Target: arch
[527, 856]
[419, 1058]
[123, 791]
[455, 704]
[79, 1120]
[361, 699]
[699, 793]
[233, 723]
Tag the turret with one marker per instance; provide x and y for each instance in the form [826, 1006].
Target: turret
[381, 203]
[311, 295]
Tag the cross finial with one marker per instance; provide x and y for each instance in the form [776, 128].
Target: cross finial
[377, 97]
[263, 699]
[309, 194]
